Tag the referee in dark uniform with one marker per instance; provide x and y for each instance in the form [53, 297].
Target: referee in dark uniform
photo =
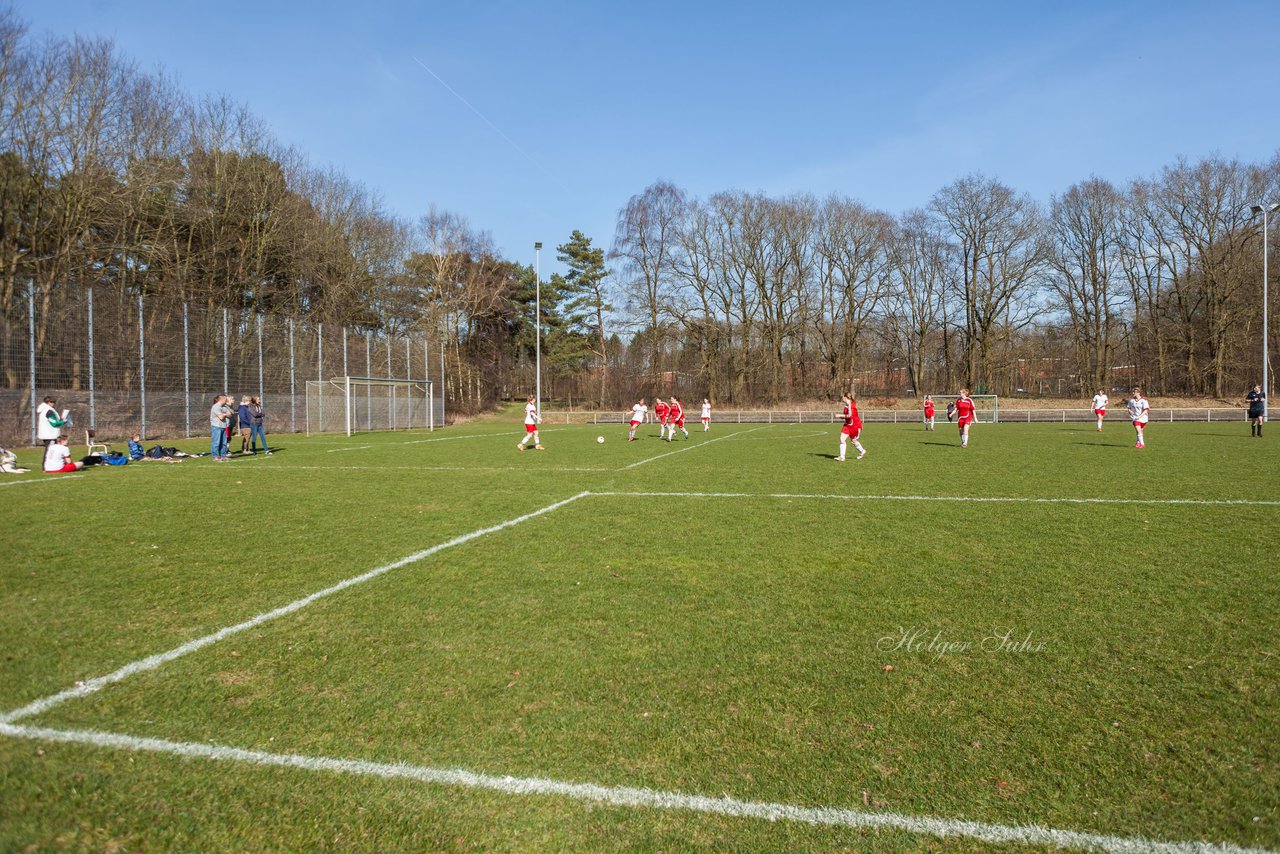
[1257, 402]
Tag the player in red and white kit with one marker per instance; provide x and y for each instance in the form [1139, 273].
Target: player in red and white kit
[1100, 407]
[1140, 414]
[531, 421]
[661, 412]
[852, 428]
[637, 418]
[965, 415]
[675, 418]
[706, 415]
[928, 412]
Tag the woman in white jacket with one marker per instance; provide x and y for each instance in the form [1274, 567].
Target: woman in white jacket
[49, 423]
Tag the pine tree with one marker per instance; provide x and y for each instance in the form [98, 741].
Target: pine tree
[584, 298]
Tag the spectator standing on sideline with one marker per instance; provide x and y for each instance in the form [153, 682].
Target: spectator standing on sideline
[257, 431]
[49, 423]
[219, 424]
[245, 420]
[1256, 400]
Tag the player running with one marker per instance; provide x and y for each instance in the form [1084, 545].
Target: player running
[928, 412]
[852, 428]
[637, 418]
[661, 412]
[1100, 407]
[1257, 403]
[1140, 414]
[706, 415]
[965, 416]
[675, 418]
[531, 421]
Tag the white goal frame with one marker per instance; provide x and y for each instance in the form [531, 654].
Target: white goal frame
[993, 411]
[407, 404]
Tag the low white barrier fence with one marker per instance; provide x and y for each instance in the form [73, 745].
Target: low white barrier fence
[907, 416]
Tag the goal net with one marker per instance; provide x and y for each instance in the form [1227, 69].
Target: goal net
[367, 404]
[985, 406]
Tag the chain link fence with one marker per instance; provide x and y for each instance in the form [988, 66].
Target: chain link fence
[123, 362]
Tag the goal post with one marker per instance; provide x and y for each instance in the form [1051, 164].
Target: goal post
[986, 407]
[353, 405]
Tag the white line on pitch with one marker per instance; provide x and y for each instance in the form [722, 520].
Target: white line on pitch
[409, 469]
[625, 796]
[995, 499]
[691, 447]
[83, 689]
[41, 479]
[340, 450]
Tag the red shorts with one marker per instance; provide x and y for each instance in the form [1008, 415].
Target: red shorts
[531, 428]
[1140, 424]
[964, 422]
[679, 422]
[66, 468]
[851, 430]
[1099, 412]
[707, 418]
[633, 424]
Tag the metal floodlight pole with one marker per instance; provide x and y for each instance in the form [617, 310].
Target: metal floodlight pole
[1266, 281]
[186, 368]
[226, 332]
[537, 326]
[142, 368]
[31, 351]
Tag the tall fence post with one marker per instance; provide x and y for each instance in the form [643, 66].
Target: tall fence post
[92, 408]
[442, 381]
[368, 372]
[319, 379]
[261, 387]
[31, 351]
[293, 392]
[391, 391]
[345, 372]
[226, 332]
[408, 374]
[186, 367]
[142, 366]
[426, 375]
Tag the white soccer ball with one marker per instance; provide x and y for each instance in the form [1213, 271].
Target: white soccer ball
[599, 440]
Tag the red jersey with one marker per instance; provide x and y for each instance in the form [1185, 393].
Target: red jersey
[660, 410]
[676, 410]
[964, 411]
[851, 416]
[928, 409]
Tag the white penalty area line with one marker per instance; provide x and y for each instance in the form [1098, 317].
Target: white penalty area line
[41, 479]
[625, 796]
[340, 450]
[690, 448]
[91, 686]
[980, 499]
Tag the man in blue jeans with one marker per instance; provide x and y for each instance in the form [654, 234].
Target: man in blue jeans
[256, 431]
[219, 421]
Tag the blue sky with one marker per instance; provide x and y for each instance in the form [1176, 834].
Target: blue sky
[593, 102]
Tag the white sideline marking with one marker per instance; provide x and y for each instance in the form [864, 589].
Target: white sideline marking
[413, 468]
[1012, 499]
[41, 479]
[84, 689]
[690, 448]
[340, 450]
[626, 796]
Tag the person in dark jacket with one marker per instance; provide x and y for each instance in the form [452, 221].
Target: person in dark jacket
[257, 431]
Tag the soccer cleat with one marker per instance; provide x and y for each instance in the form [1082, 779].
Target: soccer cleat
[538, 448]
[839, 459]
[862, 454]
[519, 446]
[1138, 445]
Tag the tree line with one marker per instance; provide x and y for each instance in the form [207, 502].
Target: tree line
[114, 177]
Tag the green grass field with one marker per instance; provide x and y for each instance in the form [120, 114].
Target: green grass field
[907, 673]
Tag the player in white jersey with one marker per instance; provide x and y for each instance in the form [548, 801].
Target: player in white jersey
[1139, 413]
[637, 418]
[706, 415]
[1100, 407]
[531, 421]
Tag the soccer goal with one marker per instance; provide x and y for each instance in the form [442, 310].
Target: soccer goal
[367, 404]
[985, 406]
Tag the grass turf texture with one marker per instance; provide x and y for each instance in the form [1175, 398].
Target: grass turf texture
[702, 645]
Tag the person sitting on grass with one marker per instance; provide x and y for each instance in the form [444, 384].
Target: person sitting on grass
[137, 454]
[57, 458]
